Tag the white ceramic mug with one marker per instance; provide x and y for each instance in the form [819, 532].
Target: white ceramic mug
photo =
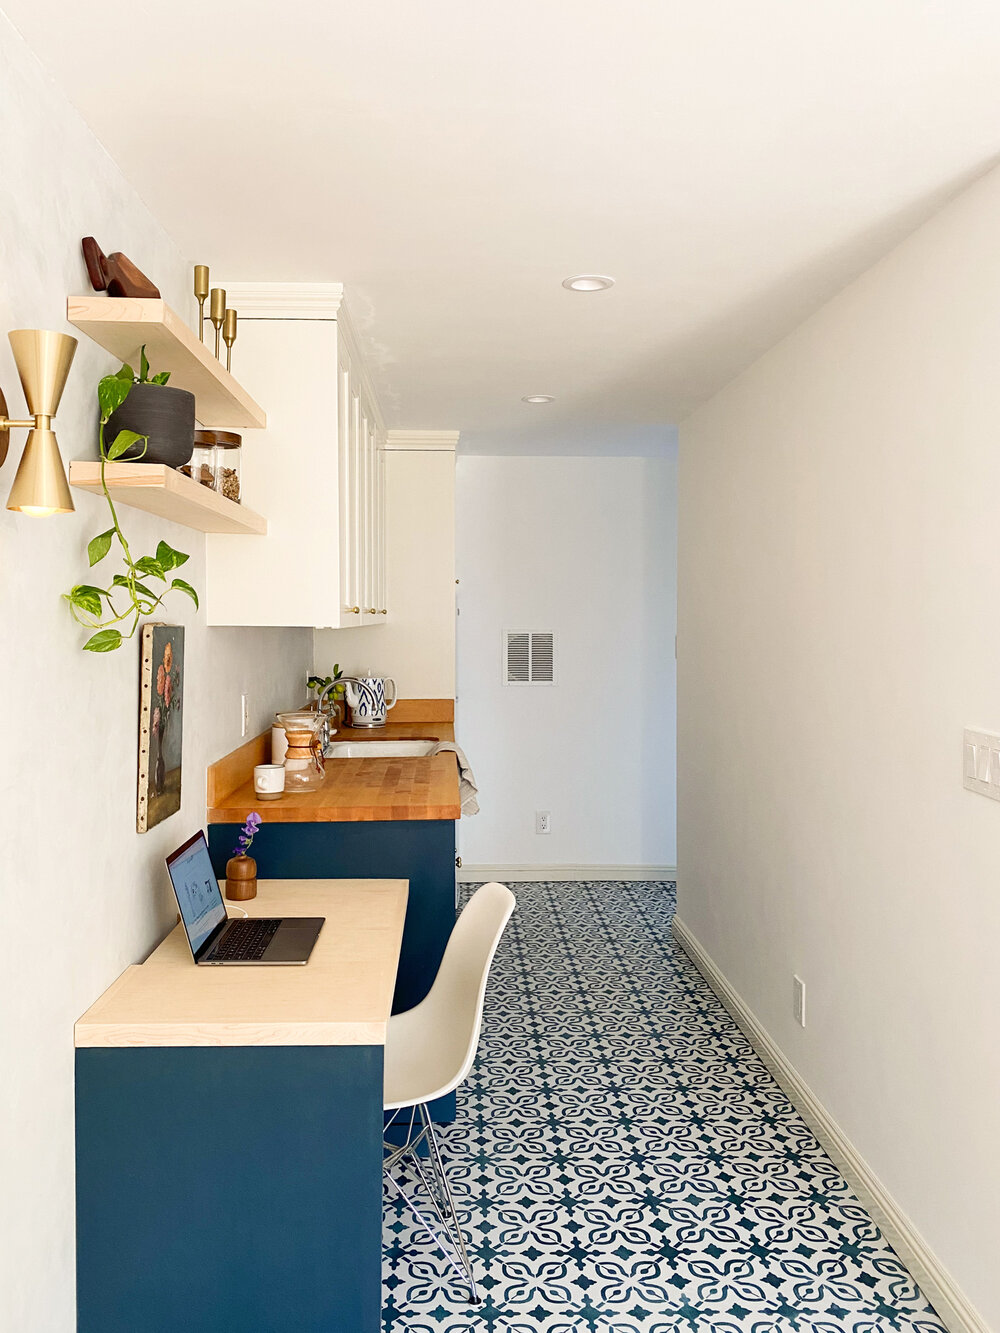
[269, 781]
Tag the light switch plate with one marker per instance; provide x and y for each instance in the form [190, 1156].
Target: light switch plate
[981, 763]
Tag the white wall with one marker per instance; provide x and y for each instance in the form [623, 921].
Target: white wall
[585, 547]
[416, 645]
[839, 626]
[70, 858]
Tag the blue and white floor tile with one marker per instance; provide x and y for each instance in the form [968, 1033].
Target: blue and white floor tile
[623, 1162]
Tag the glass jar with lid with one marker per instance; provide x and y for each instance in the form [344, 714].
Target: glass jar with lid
[202, 465]
[215, 462]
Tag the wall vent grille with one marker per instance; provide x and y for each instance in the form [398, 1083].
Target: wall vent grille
[528, 658]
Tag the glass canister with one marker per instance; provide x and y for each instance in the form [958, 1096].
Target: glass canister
[215, 462]
[202, 465]
[228, 453]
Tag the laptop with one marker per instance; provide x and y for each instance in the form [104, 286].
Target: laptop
[217, 940]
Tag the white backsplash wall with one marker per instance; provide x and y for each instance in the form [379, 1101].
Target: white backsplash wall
[70, 859]
[585, 547]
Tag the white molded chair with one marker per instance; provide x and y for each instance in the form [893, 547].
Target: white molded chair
[429, 1051]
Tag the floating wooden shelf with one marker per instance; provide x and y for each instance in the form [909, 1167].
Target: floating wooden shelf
[162, 490]
[122, 325]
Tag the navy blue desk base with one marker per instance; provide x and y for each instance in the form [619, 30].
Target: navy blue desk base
[229, 1188]
[420, 850]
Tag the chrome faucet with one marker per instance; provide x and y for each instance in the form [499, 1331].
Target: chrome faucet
[325, 733]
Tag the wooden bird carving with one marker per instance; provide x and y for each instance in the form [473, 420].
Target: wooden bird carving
[116, 274]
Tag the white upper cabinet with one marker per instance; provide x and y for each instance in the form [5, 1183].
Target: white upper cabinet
[317, 471]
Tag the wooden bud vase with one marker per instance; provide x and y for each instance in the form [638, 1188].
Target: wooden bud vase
[241, 878]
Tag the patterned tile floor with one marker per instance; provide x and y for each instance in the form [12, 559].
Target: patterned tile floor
[623, 1162]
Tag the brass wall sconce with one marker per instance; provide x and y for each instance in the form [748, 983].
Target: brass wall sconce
[43, 359]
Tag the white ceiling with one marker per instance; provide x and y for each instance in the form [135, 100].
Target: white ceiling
[731, 164]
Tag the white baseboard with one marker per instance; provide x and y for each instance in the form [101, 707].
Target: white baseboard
[533, 874]
[935, 1281]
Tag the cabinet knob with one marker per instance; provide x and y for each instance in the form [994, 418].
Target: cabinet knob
[354, 610]
[383, 612]
[372, 611]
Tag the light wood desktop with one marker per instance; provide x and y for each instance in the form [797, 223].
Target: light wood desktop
[342, 997]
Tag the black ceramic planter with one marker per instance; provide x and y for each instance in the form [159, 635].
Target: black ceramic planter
[163, 414]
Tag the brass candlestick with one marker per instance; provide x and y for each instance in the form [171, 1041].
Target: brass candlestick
[201, 292]
[229, 334]
[217, 311]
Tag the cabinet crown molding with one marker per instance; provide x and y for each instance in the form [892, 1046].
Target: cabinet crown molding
[285, 300]
[438, 440]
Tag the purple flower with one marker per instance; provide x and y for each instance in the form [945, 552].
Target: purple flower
[247, 834]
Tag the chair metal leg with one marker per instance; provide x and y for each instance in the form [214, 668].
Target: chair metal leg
[442, 1175]
[443, 1244]
[449, 1240]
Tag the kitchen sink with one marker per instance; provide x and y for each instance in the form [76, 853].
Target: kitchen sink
[409, 749]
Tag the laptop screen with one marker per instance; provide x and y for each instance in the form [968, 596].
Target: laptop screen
[197, 890]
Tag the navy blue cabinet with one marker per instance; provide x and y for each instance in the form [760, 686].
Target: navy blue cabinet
[419, 850]
[229, 1188]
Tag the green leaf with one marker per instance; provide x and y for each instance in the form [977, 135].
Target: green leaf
[124, 441]
[147, 565]
[143, 365]
[111, 393]
[121, 581]
[126, 373]
[88, 598]
[181, 586]
[168, 558]
[106, 641]
[160, 377]
[99, 546]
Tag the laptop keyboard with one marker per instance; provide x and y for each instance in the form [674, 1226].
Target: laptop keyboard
[246, 941]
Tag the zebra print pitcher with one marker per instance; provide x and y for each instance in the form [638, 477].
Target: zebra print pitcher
[370, 698]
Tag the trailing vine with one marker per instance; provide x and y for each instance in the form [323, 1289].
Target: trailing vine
[114, 612]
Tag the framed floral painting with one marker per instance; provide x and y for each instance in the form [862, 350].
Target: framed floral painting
[161, 724]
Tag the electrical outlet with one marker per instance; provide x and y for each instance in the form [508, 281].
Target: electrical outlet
[244, 714]
[799, 1000]
[543, 821]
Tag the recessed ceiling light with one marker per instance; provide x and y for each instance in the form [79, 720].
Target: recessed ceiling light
[589, 282]
[538, 398]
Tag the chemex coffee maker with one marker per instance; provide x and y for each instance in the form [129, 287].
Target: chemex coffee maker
[369, 699]
[302, 752]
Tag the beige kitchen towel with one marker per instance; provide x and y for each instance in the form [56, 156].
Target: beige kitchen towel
[467, 788]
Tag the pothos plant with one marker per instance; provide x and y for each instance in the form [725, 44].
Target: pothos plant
[114, 612]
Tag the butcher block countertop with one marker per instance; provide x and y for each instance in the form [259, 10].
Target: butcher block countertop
[341, 997]
[353, 790]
